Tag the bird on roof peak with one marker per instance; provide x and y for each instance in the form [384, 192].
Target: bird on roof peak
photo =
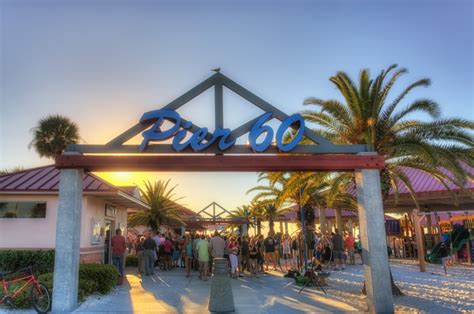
[217, 70]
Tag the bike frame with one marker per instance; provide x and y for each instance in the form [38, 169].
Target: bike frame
[29, 280]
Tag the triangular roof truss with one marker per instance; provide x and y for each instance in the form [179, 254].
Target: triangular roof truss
[218, 81]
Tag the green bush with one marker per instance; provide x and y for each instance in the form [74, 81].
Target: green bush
[16, 259]
[92, 278]
[104, 275]
[131, 260]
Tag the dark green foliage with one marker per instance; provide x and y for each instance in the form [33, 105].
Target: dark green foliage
[163, 206]
[105, 275]
[43, 260]
[131, 260]
[53, 134]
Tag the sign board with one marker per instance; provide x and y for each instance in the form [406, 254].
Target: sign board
[96, 225]
[110, 210]
[392, 227]
[445, 227]
[222, 137]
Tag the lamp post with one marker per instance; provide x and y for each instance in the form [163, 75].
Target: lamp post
[303, 228]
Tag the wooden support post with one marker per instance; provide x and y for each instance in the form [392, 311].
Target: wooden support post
[428, 223]
[419, 240]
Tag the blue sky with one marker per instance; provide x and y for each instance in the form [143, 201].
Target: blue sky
[104, 63]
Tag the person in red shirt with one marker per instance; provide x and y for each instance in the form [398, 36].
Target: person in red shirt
[168, 248]
[118, 251]
[349, 242]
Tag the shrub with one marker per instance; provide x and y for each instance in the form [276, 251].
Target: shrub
[16, 259]
[131, 260]
[103, 274]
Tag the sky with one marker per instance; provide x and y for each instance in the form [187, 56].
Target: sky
[104, 63]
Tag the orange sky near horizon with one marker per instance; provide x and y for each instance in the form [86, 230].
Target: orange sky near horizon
[196, 189]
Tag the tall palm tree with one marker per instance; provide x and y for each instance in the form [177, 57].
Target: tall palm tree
[53, 134]
[368, 116]
[163, 206]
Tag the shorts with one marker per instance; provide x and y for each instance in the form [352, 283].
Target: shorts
[338, 254]
[444, 261]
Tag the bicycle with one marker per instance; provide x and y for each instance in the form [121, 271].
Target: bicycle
[39, 294]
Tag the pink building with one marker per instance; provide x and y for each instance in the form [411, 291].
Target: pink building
[29, 204]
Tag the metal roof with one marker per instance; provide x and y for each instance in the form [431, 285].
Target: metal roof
[423, 182]
[46, 180]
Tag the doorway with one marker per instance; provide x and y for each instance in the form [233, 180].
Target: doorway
[109, 228]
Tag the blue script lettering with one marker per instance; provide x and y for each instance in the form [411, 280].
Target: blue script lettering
[222, 136]
[196, 141]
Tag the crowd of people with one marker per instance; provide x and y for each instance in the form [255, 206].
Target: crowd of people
[246, 255]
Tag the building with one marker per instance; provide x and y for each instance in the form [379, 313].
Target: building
[29, 204]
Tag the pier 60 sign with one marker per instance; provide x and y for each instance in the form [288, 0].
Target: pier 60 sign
[202, 138]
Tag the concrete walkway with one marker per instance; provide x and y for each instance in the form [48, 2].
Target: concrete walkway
[172, 292]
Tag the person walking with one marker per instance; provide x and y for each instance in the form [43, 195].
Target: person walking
[139, 252]
[245, 254]
[350, 242]
[217, 245]
[202, 248]
[444, 254]
[338, 249]
[188, 248]
[270, 256]
[118, 250]
[168, 250]
[286, 250]
[254, 256]
[149, 249]
[233, 252]
[295, 253]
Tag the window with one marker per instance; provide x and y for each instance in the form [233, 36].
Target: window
[22, 210]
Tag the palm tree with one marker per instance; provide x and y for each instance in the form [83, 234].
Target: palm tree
[53, 134]
[163, 206]
[367, 116]
[240, 212]
[283, 189]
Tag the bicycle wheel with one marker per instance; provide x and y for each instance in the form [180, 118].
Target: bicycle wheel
[40, 298]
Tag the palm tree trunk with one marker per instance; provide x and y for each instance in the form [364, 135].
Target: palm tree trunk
[271, 227]
[259, 227]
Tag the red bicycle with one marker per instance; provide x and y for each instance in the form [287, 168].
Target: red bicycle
[39, 294]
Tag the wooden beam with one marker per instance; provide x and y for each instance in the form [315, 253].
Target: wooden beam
[253, 163]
